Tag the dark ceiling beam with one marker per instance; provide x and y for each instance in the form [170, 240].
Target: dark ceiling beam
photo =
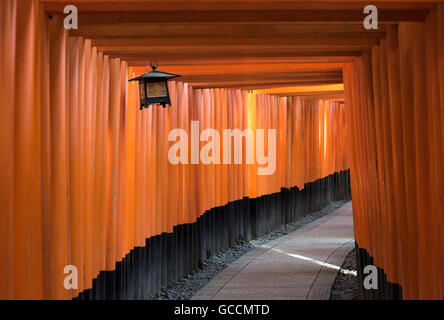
[261, 84]
[294, 81]
[168, 52]
[236, 42]
[55, 6]
[243, 61]
[165, 56]
[263, 76]
[126, 33]
[252, 69]
[247, 60]
[246, 16]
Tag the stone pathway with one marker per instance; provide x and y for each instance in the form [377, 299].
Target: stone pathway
[300, 265]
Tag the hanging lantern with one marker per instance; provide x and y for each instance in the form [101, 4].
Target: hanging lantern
[153, 87]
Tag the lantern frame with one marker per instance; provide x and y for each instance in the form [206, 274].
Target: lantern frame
[146, 81]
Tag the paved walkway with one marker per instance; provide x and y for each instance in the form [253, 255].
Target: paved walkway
[300, 265]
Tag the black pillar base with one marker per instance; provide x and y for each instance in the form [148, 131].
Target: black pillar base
[169, 257]
[386, 290]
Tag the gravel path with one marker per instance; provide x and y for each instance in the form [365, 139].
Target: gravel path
[345, 286]
[184, 289]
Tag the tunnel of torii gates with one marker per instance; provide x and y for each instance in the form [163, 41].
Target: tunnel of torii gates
[85, 177]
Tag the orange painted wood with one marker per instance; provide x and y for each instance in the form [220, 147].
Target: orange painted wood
[394, 198]
[85, 174]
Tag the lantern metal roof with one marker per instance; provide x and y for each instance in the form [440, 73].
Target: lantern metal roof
[156, 75]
